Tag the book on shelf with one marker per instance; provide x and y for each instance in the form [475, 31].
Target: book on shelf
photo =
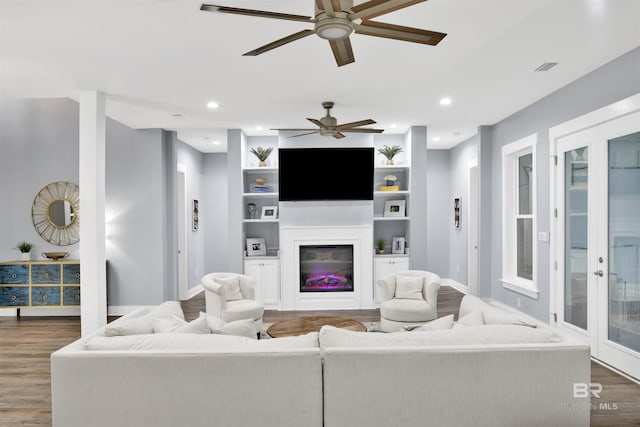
[389, 188]
[261, 189]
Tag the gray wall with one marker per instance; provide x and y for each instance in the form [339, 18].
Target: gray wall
[193, 160]
[215, 213]
[38, 146]
[459, 158]
[610, 83]
[417, 205]
[135, 215]
[439, 213]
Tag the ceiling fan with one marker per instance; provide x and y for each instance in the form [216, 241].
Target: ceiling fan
[335, 20]
[328, 125]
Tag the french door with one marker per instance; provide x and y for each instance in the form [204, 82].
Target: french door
[598, 240]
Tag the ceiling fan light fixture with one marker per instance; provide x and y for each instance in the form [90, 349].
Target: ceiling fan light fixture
[333, 28]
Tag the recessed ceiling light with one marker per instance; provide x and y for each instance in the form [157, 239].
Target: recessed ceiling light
[216, 142]
[180, 116]
[445, 101]
[259, 128]
[436, 138]
[393, 126]
[212, 104]
[546, 66]
[456, 134]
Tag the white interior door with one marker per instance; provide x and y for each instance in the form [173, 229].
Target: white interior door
[598, 201]
[183, 273]
[472, 244]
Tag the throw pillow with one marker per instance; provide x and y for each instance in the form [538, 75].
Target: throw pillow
[243, 328]
[445, 322]
[471, 319]
[231, 288]
[178, 326]
[409, 287]
[143, 324]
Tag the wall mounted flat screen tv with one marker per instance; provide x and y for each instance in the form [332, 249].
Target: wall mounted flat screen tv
[308, 174]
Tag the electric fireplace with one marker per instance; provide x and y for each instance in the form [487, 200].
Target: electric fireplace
[326, 268]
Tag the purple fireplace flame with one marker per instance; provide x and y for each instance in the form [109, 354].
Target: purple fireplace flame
[326, 268]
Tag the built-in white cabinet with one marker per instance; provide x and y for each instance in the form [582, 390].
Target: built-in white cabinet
[266, 271]
[384, 265]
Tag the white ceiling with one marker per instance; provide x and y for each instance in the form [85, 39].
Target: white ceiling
[157, 58]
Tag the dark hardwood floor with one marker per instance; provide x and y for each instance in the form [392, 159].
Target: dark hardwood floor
[26, 344]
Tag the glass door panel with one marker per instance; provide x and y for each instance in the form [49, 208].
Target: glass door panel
[576, 237]
[624, 241]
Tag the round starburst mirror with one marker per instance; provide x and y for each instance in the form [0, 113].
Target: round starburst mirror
[55, 213]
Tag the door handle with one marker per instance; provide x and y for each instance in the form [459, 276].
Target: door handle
[599, 273]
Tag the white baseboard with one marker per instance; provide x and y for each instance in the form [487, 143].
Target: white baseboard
[193, 292]
[455, 285]
[12, 312]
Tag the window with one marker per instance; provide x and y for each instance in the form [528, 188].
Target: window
[518, 211]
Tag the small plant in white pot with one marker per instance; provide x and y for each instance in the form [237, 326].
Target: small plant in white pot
[262, 154]
[380, 246]
[25, 250]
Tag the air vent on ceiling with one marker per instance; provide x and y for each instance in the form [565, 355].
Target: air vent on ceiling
[180, 116]
[546, 66]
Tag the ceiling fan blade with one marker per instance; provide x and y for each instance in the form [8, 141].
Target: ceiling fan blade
[398, 32]
[355, 124]
[362, 130]
[293, 130]
[258, 13]
[278, 43]
[374, 8]
[338, 135]
[317, 123]
[342, 51]
[303, 134]
[329, 6]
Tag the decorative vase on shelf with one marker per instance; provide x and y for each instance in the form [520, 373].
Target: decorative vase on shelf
[389, 161]
[25, 256]
[262, 163]
[251, 209]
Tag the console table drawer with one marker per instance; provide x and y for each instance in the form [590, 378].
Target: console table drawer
[45, 295]
[14, 295]
[71, 274]
[71, 295]
[14, 274]
[45, 273]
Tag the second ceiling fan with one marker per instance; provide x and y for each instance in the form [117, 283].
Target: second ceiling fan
[328, 125]
[335, 20]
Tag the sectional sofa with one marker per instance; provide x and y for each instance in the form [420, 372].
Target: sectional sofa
[489, 368]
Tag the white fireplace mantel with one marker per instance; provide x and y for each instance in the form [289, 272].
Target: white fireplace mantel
[361, 237]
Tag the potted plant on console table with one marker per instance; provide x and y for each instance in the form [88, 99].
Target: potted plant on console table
[25, 250]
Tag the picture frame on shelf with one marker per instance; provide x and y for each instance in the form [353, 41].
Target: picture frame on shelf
[256, 246]
[269, 212]
[457, 202]
[394, 208]
[398, 245]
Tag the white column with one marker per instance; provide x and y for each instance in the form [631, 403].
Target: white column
[93, 290]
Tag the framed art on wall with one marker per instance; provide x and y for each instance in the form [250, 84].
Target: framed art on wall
[195, 215]
[456, 213]
[256, 246]
[394, 208]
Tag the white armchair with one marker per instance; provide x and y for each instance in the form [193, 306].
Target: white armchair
[411, 300]
[221, 304]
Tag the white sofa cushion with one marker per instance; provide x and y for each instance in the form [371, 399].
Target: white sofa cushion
[242, 327]
[473, 318]
[406, 310]
[143, 324]
[176, 325]
[472, 335]
[196, 342]
[243, 309]
[231, 287]
[445, 322]
[409, 287]
[490, 314]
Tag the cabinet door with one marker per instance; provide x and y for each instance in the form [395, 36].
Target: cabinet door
[271, 282]
[71, 295]
[14, 274]
[45, 295]
[252, 268]
[14, 296]
[45, 274]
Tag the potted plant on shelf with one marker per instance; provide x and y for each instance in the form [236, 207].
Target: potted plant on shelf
[380, 246]
[25, 250]
[390, 152]
[262, 154]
